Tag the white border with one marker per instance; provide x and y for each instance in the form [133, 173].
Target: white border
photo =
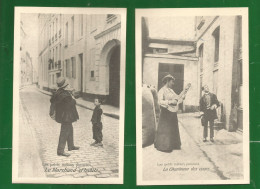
[192, 12]
[59, 10]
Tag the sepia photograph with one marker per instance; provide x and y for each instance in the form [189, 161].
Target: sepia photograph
[69, 95]
[192, 96]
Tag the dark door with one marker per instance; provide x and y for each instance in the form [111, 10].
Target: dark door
[114, 77]
[177, 71]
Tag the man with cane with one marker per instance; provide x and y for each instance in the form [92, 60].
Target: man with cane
[208, 105]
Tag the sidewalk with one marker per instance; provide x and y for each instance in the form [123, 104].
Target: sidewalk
[108, 110]
[193, 120]
[225, 153]
[29, 161]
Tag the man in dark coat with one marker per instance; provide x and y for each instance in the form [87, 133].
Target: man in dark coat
[208, 105]
[66, 114]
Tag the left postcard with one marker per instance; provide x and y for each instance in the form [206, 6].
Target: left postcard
[69, 95]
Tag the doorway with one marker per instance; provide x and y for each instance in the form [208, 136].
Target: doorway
[114, 77]
[177, 71]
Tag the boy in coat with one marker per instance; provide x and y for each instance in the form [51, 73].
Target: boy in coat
[208, 105]
[97, 123]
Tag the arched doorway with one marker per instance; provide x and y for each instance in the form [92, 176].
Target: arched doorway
[114, 77]
[109, 71]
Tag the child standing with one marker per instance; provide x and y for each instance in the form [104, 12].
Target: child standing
[97, 123]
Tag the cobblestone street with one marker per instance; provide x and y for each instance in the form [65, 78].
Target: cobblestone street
[88, 161]
[197, 160]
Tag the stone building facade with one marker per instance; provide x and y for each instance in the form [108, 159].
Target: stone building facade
[218, 40]
[213, 59]
[26, 66]
[177, 58]
[83, 48]
[161, 56]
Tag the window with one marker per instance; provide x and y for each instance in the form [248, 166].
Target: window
[201, 79]
[72, 29]
[56, 23]
[200, 22]
[60, 21]
[215, 82]
[53, 58]
[80, 25]
[159, 50]
[110, 16]
[68, 68]
[55, 27]
[52, 30]
[74, 70]
[92, 75]
[66, 34]
[201, 57]
[92, 64]
[53, 79]
[60, 53]
[56, 56]
[45, 68]
[216, 41]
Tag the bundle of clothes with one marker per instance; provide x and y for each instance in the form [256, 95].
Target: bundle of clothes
[150, 114]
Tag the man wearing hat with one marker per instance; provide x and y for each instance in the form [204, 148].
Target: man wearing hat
[208, 105]
[66, 114]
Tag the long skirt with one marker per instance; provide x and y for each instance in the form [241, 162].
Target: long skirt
[167, 137]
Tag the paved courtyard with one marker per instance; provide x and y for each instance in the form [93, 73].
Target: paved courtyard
[219, 160]
[40, 134]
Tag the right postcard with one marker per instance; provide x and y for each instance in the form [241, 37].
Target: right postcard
[192, 95]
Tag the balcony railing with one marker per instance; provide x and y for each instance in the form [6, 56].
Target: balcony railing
[60, 33]
[49, 42]
[52, 39]
[56, 36]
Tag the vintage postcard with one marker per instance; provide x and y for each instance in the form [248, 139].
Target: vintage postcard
[192, 96]
[69, 95]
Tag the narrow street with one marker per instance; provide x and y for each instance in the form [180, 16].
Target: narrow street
[43, 134]
[221, 159]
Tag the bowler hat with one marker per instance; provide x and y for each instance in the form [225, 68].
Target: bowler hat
[167, 78]
[62, 82]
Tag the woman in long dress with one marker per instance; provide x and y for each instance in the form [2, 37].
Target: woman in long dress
[168, 136]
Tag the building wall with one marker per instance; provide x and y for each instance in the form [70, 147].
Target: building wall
[74, 45]
[28, 70]
[43, 47]
[151, 70]
[108, 37]
[93, 36]
[220, 83]
[22, 55]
